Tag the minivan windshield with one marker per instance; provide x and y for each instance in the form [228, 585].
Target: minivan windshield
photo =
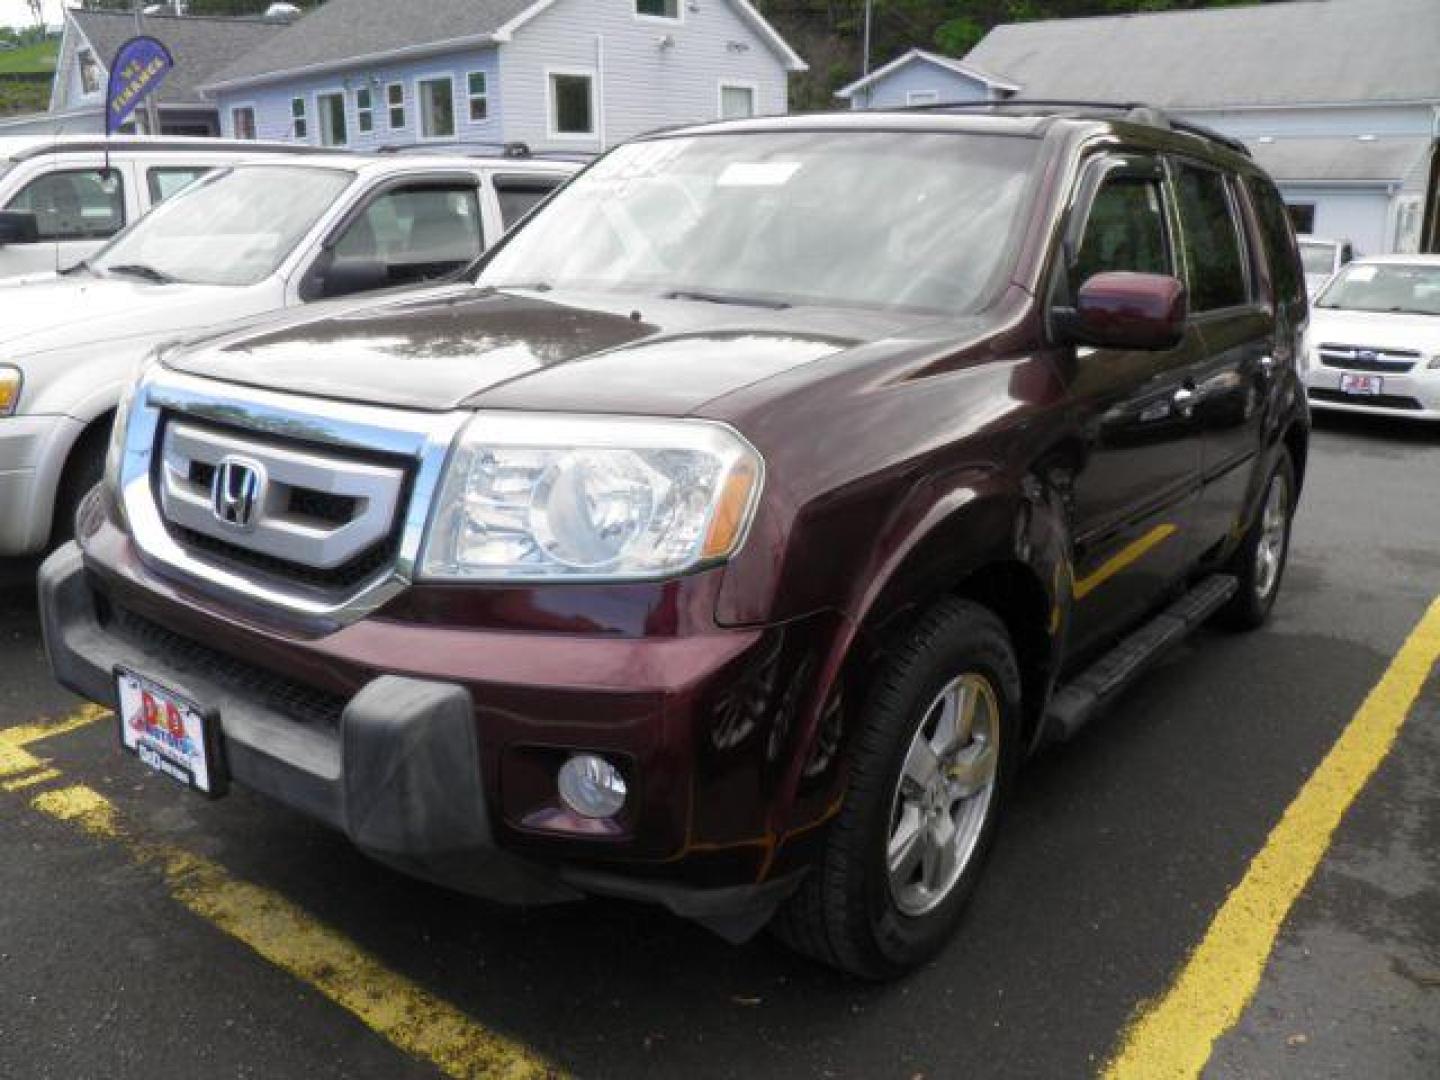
[1318, 258]
[1411, 288]
[233, 227]
[878, 219]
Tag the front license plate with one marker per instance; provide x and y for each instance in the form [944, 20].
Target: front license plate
[1368, 385]
[170, 733]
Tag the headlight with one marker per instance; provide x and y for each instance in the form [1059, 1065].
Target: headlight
[540, 497]
[11, 380]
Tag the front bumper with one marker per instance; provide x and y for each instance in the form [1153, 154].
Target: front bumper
[1415, 394]
[414, 768]
[32, 457]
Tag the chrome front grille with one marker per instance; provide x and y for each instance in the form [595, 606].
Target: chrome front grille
[317, 510]
[328, 519]
[1365, 358]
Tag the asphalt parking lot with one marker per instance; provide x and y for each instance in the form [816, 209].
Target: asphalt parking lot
[147, 933]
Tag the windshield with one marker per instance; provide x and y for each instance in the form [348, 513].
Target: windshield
[871, 219]
[234, 227]
[1398, 287]
[1318, 258]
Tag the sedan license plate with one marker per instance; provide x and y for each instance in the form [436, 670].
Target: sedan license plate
[1365, 385]
[170, 733]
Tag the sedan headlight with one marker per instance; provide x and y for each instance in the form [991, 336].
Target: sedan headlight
[11, 381]
[543, 497]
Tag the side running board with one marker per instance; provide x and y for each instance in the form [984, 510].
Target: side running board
[1077, 701]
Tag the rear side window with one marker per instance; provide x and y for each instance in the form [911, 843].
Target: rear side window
[1211, 239]
[1125, 231]
[519, 195]
[75, 204]
[1274, 221]
[170, 180]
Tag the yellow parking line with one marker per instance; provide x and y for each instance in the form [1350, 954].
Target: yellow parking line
[398, 1010]
[26, 734]
[34, 779]
[1174, 1036]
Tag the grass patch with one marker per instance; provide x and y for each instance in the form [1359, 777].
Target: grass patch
[38, 59]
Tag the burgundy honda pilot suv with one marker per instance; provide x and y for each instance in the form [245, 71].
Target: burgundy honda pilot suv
[729, 537]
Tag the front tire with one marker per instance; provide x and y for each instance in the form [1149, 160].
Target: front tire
[931, 767]
[83, 471]
[1259, 564]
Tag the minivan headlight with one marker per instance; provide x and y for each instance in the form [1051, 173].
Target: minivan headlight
[11, 382]
[540, 497]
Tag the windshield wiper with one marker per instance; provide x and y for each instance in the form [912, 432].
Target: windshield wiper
[83, 264]
[1409, 311]
[140, 270]
[723, 298]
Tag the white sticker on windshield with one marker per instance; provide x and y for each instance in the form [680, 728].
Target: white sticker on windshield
[1363, 274]
[758, 174]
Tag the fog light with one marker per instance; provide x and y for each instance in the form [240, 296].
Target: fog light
[591, 786]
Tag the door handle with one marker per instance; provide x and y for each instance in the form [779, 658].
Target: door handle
[1183, 400]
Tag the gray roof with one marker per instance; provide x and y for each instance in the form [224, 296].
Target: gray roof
[1393, 160]
[201, 46]
[1306, 51]
[346, 31]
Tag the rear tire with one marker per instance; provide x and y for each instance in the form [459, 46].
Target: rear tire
[83, 471]
[1259, 564]
[930, 770]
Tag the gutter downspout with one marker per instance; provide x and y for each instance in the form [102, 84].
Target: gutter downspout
[600, 91]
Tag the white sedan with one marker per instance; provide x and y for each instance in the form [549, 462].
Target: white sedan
[1375, 339]
[242, 242]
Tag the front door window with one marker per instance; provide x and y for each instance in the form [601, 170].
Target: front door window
[333, 129]
[437, 108]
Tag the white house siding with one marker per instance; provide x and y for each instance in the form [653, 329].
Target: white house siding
[1378, 218]
[919, 77]
[642, 85]
[272, 101]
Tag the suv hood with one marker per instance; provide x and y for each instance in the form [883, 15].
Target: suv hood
[462, 347]
[43, 314]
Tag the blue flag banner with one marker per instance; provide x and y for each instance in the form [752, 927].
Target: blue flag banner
[137, 71]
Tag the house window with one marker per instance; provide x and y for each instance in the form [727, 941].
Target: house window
[922, 97]
[89, 73]
[736, 102]
[330, 112]
[299, 126]
[572, 104]
[395, 103]
[437, 107]
[658, 9]
[1302, 217]
[364, 110]
[242, 122]
[479, 92]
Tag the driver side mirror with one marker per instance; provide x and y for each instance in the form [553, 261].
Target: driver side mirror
[1119, 310]
[333, 277]
[18, 227]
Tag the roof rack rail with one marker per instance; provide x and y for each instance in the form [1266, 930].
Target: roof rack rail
[518, 150]
[1135, 111]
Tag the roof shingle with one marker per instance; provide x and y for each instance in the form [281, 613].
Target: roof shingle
[1302, 52]
[200, 45]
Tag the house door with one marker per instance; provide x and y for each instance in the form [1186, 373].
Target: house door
[333, 131]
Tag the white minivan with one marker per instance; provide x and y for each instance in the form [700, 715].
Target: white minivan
[60, 200]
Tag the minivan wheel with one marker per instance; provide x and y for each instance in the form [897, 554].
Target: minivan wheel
[83, 471]
[930, 769]
[1259, 563]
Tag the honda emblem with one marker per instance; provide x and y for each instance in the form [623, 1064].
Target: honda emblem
[236, 491]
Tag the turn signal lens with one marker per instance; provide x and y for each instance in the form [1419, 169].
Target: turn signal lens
[10, 383]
